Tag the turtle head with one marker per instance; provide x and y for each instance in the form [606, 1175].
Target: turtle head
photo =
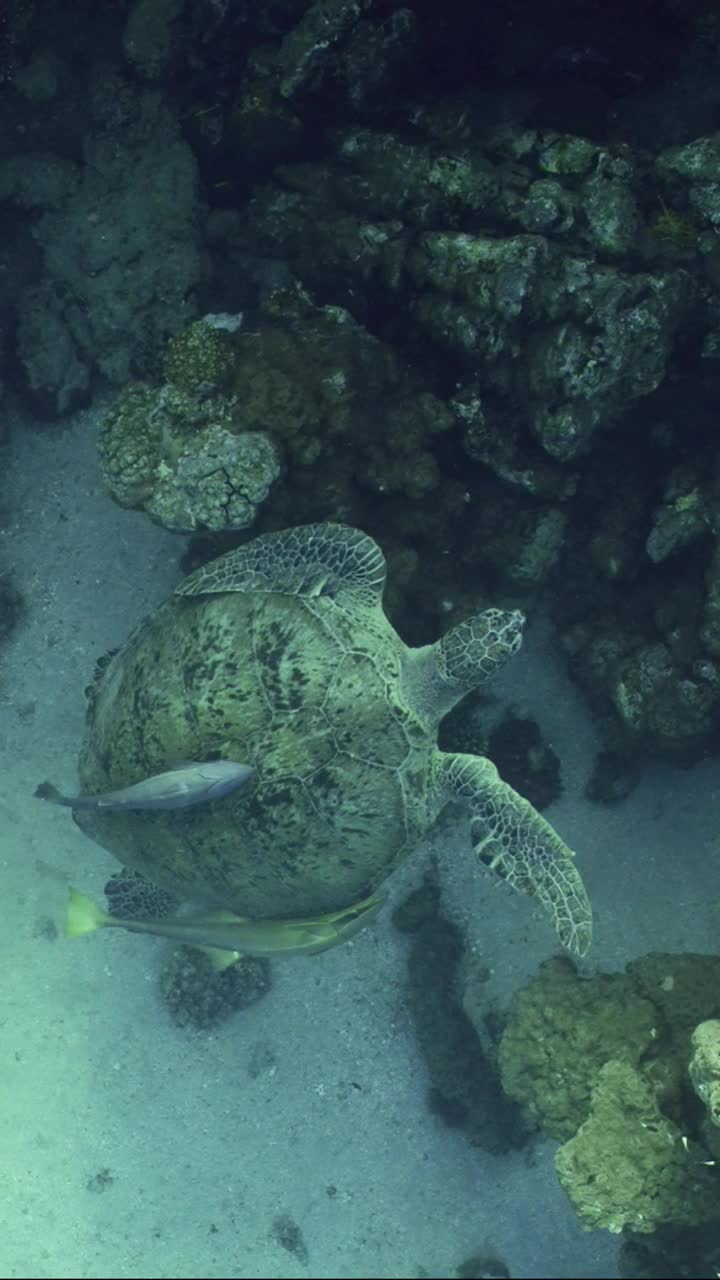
[474, 650]
[437, 676]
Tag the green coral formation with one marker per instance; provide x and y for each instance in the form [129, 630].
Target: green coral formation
[675, 230]
[565, 154]
[682, 516]
[198, 358]
[607, 1065]
[705, 1067]
[307, 385]
[698, 161]
[627, 1166]
[303, 51]
[335, 395]
[127, 444]
[656, 704]
[611, 210]
[186, 459]
[561, 1031]
[453, 231]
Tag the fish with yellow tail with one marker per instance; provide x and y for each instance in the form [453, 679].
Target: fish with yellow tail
[191, 783]
[226, 936]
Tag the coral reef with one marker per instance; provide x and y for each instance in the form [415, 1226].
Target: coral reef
[486, 331]
[627, 1165]
[184, 457]
[610, 1066]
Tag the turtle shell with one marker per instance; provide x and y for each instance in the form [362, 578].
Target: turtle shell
[309, 695]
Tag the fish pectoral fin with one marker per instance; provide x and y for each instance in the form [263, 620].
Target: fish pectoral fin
[221, 959]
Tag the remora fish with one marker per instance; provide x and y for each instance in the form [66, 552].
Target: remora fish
[188, 784]
[227, 936]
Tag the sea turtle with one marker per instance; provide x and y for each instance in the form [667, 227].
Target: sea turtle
[279, 654]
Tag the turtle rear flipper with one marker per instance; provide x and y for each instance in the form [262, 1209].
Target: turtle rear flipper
[312, 560]
[132, 896]
[516, 843]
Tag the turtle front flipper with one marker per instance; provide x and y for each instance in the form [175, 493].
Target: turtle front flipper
[312, 560]
[515, 842]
